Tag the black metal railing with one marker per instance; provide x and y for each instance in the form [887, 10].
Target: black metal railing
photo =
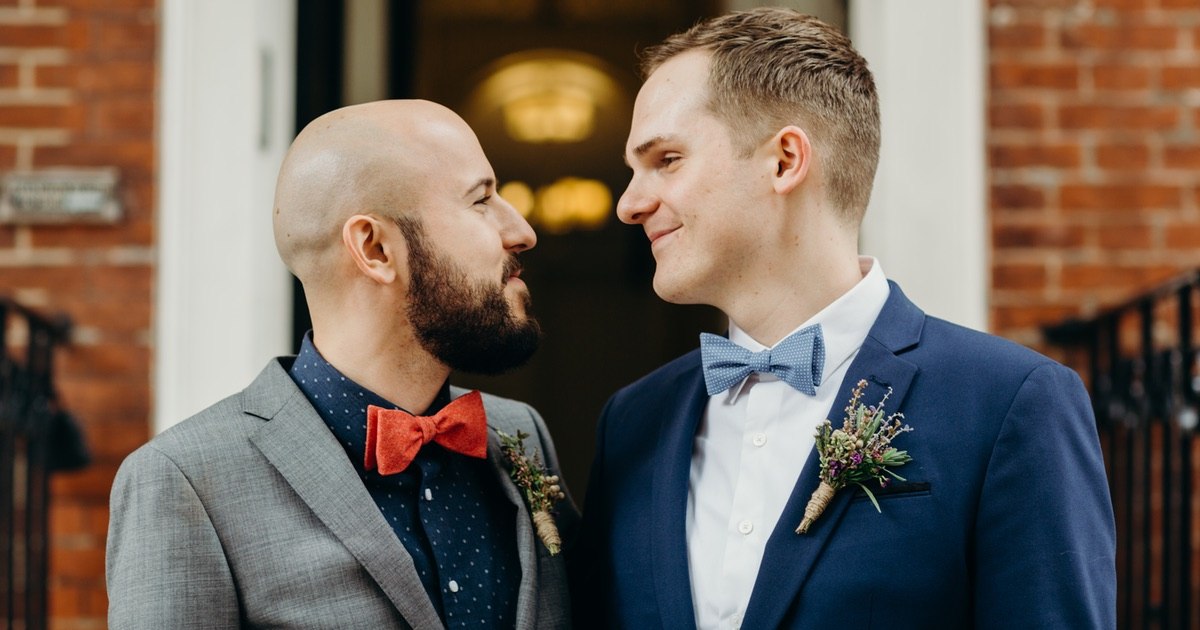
[1140, 360]
[28, 412]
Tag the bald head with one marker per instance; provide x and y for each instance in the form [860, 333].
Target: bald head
[370, 158]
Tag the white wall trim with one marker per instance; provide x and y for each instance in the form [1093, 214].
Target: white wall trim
[928, 221]
[222, 298]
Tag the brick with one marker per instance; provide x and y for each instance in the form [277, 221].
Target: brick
[127, 38]
[92, 483]
[119, 438]
[1012, 276]
[136, 228]
[57, 76]
[1040, 4]
[1035, 315]
[1021, 36]
[125, 115]
[9, 75]
[1130, 197]
[1125, 237]
[1017, 156]
[1112, 77]
[8, 157]
[133, 156]
[117, 77]
[1118, 118]
[58, 116]
[64, 279]
[1181, 77]
[1124, 157]
[1183, 237]
[1182, 156]
[1110, 276]
[127, 315]
[131, 398]
[1017, 196]
[1019, 116]
[72, 35]
[1022, 75]
[121, 282]
[105, 361]
[1120, 37]
[1052, 235]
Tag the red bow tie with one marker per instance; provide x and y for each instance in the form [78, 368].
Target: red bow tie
[394, 436]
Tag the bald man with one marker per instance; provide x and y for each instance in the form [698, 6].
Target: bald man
[350, 486]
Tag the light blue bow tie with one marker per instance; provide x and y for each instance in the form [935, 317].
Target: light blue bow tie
[797, 360]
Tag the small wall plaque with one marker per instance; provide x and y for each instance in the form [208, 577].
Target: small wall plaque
[74, 195]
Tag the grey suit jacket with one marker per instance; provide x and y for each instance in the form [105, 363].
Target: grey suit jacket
[249, 514]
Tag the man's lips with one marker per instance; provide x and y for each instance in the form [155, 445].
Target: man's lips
[658, 234]
[512, 270]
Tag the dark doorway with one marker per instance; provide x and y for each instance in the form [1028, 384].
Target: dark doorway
[604, 327]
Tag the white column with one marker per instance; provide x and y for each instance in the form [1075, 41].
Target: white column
[223, 298]
[927, 222]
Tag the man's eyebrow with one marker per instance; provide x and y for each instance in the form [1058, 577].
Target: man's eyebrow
[484, 182]
[644, 148]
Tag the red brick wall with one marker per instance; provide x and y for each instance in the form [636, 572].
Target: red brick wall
[1094, 154]
[77, 81]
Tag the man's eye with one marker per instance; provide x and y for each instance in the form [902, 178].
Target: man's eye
[482, 201]
[668, 160]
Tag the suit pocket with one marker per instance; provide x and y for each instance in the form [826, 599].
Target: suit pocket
[896, 490]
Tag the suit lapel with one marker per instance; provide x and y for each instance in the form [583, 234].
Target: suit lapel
[672, 470]
[299, 445]
[527, 598]
[789, 557]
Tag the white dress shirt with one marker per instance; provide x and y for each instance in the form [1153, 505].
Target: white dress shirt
[752, 444]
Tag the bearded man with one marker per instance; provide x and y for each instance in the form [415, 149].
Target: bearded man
[351, 486]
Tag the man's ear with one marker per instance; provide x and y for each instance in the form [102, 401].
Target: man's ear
[793, 155]
[375, 255]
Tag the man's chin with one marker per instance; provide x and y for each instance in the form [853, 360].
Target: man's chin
[673, 291]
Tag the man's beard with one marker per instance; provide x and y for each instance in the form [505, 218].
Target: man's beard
[468, 326]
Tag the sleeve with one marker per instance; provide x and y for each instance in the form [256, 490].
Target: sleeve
[165, 566]
[1045, 540]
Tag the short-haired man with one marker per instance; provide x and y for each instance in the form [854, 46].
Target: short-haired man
[312, 499]
[753, 147]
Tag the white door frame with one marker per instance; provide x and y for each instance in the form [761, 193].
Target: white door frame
[225, 118]
[928, 218]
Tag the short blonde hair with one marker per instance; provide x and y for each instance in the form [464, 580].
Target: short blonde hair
[775, 67]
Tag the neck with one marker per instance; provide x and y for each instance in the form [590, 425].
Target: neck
[800, 279]
[390, 363]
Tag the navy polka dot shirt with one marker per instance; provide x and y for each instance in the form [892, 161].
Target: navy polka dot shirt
[447, 509]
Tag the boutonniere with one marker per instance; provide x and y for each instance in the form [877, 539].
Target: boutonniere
[856, 453]
[541, 489]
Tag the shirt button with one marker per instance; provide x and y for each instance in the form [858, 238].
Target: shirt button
[428, 495]
[745, 526]
[453, 586]
[759, 439]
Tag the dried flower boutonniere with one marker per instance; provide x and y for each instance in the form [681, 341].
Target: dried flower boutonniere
[541, 488]
[856, 453]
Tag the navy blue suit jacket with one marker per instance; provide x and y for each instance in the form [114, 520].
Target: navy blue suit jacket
[1006, 521]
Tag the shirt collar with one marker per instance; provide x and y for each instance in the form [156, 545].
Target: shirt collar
[341, 402]
[845, 323]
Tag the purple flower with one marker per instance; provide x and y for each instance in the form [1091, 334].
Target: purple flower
[835, 467]
[856, 458]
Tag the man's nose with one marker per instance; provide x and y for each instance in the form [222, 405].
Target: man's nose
[635, 204]
[515, 232]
